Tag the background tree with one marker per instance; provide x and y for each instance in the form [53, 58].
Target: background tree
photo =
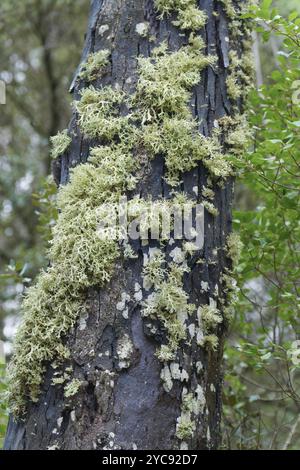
[261, 393]
[41, 43]
[89, 371]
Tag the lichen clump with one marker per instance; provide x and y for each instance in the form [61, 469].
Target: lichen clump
[60, 143]
[189, 16]
[72, 388]
[94, 65]
[168, 302]
[79, 259]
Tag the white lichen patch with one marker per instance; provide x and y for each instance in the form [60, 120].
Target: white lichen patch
[192, 330]
[82, 322]
[59, 422]
[177, 255]
[102, 29]
[122, 305]
[166, 378]
[124, 351]
[204, 286]
[138, 294]
[142, 29]
[178, 373]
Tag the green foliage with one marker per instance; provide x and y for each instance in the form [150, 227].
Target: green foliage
[3, 401]
[262, 375]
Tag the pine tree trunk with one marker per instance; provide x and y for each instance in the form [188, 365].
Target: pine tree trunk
[128, 407]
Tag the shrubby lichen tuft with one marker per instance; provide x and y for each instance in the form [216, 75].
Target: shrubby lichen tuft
[59, 143]
[189, 16]
[72, 388]
[94, 65]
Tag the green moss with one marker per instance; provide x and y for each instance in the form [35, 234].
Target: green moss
[94, 65]
[59, 143]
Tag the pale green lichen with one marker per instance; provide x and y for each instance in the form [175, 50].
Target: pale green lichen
[189, 16]
[98, 112]
[210, 317]
[93, 67]
[168, 303]
[60, 143]
[234, 247]
[72, 388]
[211, 342]
[208, 193]
[166, 79]
[80, 259]
[185, 428]
[211, 208]
[193, 403]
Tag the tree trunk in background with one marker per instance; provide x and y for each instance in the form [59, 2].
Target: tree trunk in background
[128, 408]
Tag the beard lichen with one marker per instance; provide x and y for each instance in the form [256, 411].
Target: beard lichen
[79, 259]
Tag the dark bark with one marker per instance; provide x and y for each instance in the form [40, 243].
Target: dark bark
[136, 412]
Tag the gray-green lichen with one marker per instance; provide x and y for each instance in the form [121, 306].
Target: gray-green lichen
[72, 388]
[168, 302]
[60, 143]
[94, 65]
[189, 16]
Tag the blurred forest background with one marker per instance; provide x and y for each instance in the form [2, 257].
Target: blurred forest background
[41, 44]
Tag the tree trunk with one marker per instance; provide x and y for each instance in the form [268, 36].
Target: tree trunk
[129, 406]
